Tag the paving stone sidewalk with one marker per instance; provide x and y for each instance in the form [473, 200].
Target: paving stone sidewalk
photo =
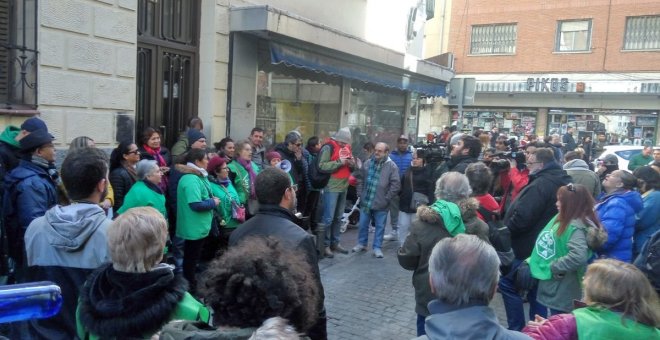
[370, 298]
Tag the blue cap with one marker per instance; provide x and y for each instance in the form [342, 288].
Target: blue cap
[34, 124]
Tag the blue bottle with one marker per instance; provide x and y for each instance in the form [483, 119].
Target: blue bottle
[26, 301]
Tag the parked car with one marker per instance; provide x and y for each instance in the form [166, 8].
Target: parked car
[622, 152]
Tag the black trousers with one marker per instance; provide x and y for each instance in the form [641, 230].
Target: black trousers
[192, 250]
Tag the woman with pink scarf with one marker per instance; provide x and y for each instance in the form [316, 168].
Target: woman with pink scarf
[152, 150]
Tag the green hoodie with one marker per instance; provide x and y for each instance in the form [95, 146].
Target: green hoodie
[451, 216]
[9, 136]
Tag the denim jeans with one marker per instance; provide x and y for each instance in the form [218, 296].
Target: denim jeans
[379, 216]
[405, 220]
[513, 302]
[421, 323]
[393, 208]
[333, 208]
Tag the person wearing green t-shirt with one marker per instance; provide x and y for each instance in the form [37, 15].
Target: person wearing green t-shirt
[641, 159]
[562, 249]
[620, 304]
[195, 204]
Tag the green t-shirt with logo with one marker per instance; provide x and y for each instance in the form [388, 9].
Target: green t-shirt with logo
[549, 247]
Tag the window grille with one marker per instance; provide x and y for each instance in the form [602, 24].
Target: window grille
[493, 39]
[642, 33]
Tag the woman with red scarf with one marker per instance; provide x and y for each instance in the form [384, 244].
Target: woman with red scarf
[152, 150]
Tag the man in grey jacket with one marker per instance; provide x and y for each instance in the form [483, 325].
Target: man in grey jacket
[378, 183]
[580, 173]
[68, 242]
[463, 274]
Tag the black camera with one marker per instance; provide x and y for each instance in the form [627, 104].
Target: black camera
[432, 152]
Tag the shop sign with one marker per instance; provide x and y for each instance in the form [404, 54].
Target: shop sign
[547, 84]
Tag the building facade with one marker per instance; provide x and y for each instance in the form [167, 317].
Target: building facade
[110, 68]
[542, 67]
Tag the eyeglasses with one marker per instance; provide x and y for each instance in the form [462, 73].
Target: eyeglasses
[134, 152]
[570, 187]
[298, 144]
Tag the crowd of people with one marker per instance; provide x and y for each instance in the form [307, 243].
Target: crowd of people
[226, 238]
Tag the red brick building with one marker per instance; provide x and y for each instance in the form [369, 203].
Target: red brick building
[542, 66]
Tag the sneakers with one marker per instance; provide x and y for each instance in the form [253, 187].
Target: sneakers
[359, 248]
[378, 253]
[339, 249]
[393, 236]
[328, 253]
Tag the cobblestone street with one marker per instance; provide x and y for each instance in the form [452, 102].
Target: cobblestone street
[370, 298]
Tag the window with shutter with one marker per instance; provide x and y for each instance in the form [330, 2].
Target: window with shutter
[642, 33]
[4, 49]
[493, 39]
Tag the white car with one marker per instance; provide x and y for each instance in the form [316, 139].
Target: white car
[622, 152]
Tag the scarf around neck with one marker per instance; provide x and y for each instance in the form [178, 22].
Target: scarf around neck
[248, 166]
[451, 216]
[131, 170]
[156, 153]
[202, 171]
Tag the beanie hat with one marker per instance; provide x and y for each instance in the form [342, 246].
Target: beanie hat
[343, 135]
[35, 139]
[272, 155]
[34, 124]
[215, 163]
[610, 160]
[194, 135]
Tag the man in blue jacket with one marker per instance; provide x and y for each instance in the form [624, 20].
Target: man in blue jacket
[30, 190]
[402, 157]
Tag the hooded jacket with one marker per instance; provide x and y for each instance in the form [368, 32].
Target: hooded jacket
[648, 219]
[581, 174]
[425, 231]
[298, 166]
[473, 224]
[120, 305]
[534, 207]
[9, 148]
[472, 321]
[64, 246]
[617, 214]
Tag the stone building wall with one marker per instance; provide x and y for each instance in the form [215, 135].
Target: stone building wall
[87, 68]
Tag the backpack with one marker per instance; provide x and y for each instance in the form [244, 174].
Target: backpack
[498, 234]
[648, 261]
[317, 176]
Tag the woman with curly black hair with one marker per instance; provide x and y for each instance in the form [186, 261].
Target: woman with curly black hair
[252, 282]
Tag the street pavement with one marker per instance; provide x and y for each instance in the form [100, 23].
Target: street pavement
[371, 298]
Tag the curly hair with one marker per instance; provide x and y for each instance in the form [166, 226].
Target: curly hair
[260, 279]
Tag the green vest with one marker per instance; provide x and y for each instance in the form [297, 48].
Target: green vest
[226, 195]
[187, 309]
[603, 324]
[549, 248]
[191, 224]
[242, 180]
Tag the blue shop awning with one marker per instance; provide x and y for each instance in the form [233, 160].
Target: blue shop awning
[396, 78]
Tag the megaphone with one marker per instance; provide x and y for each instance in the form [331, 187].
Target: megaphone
[285, 165]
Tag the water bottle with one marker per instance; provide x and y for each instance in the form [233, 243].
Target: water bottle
[26, 301]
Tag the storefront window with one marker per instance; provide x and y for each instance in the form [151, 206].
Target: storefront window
[514, 123]
[285, 103]
[376, 117]
[622, 127]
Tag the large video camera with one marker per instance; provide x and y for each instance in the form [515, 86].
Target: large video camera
[514, 149]
[432, 153]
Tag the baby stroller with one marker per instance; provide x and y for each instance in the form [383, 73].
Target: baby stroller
[351, 215]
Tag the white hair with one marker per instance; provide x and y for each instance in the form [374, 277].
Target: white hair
[275, 328]
[452, 186]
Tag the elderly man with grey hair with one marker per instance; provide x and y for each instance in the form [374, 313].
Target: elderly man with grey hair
[146, 192]
[441, 220]
[291, 150]
[463, 276]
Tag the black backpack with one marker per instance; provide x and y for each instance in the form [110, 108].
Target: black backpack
[498, 234]
[648, 261]
[318, 177]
